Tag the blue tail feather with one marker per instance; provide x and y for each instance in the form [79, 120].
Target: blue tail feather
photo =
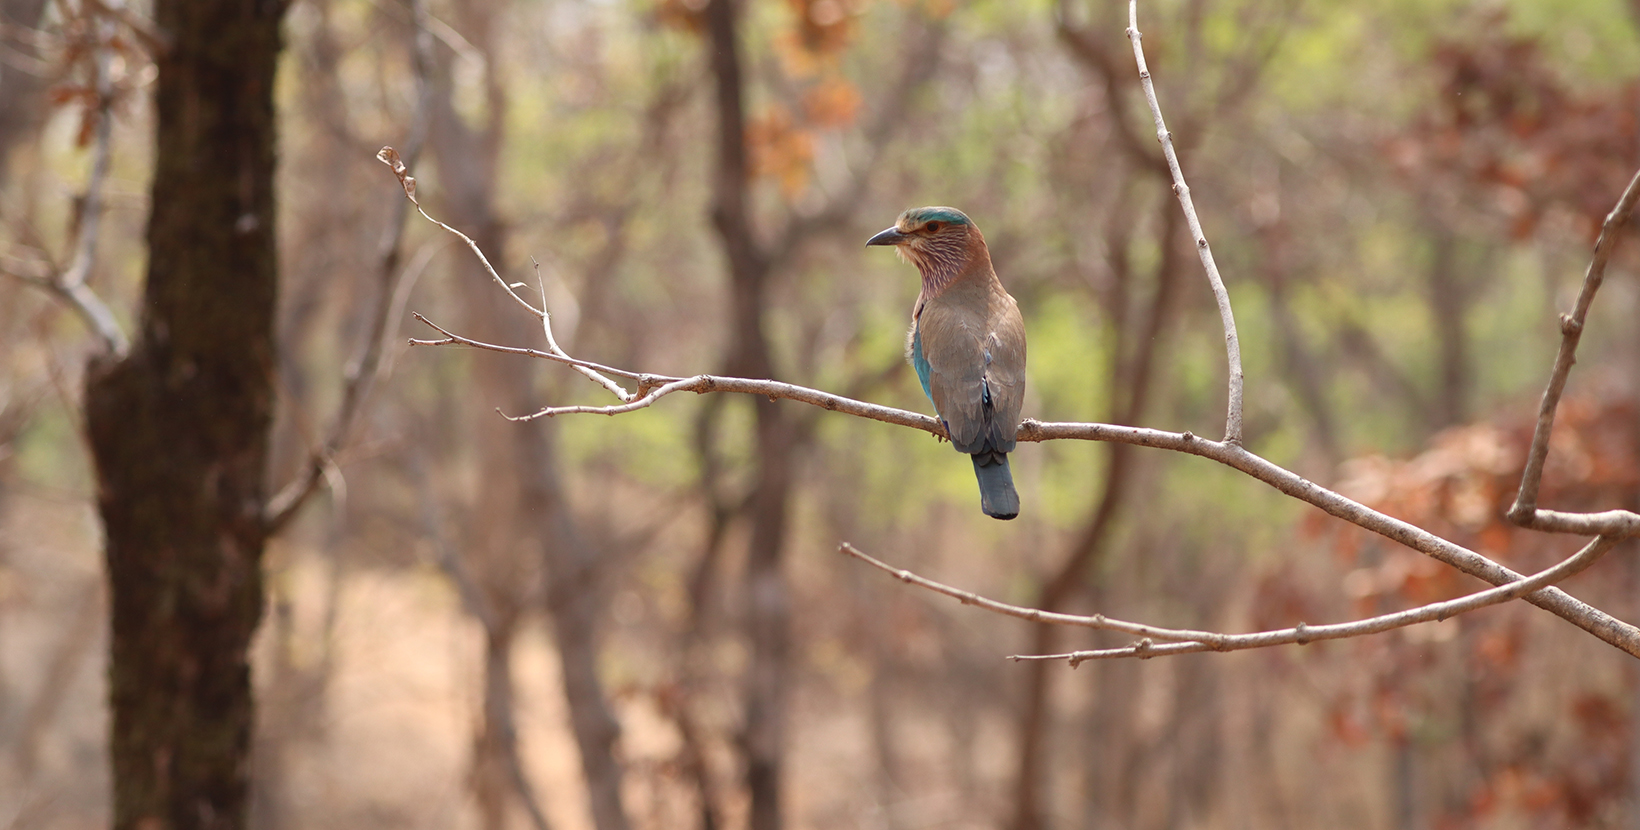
[997, 496]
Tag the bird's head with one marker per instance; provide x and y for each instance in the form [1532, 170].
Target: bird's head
[940, 241]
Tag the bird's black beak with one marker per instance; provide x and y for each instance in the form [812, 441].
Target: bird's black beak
[892, 236]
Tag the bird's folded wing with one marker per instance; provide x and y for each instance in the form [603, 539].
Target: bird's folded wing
[953, 345]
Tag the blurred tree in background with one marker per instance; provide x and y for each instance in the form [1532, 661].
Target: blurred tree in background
[640, 621]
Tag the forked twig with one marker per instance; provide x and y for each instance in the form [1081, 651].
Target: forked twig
[1525, 512]
[390, 157]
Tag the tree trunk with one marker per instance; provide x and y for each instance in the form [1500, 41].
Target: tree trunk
[768, 606]
[179, 429]
[1449, 303]
[1135, 374]
[522, 502]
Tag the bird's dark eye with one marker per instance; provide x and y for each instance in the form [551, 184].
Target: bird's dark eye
[932, 227]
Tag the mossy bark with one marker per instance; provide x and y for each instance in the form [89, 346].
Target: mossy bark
[179, 428]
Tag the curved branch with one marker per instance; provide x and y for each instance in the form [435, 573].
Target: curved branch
[1525, 512]
[1302, 634]
[390, 157]
[1232, 344]
[451, 339]
[1188, 641]
[1096, 621]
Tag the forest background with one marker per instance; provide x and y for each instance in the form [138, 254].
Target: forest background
[1401, 195]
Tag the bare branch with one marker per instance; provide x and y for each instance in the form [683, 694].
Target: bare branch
[1302, 634]
[451, 338]
[1525, 512]
[653, 387]
[1232, 344]
[1097, 621]
[1608, 628]
[552, 345]
[69, 284]
[390, 157]
[1186, 641]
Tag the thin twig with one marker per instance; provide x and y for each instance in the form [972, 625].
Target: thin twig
[1302, 634]
[1525, 512]
[390, 157]
[654, 387]
[592, 374]
[1186, 641]
[452, 339]
[1604, 626]
[70, 284]
[1097, 621]
[1232, 344]
[400, 168]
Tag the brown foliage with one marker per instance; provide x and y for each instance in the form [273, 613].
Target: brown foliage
[1508, 123]
[1557, 768]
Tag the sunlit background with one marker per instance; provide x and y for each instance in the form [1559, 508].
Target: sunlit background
[1402, 196]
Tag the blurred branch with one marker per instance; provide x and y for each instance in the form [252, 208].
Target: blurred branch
[57, 676]
[1186, 641]
[1361, 348]
[1088, 49]
[363, 372]
[499, 698]
[1129, 388]
[1232, 344]
[69, 285]
[154, 39]
[1525, 512]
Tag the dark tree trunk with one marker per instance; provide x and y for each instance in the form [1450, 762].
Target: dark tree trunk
[524, 497]
[768, 606]
[1135, 373]
[179, 429]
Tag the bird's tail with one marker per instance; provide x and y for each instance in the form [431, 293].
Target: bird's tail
[997, 496]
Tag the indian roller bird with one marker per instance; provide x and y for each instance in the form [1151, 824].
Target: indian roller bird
[967, 343]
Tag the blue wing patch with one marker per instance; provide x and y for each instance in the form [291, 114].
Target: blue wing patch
[920, 363]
